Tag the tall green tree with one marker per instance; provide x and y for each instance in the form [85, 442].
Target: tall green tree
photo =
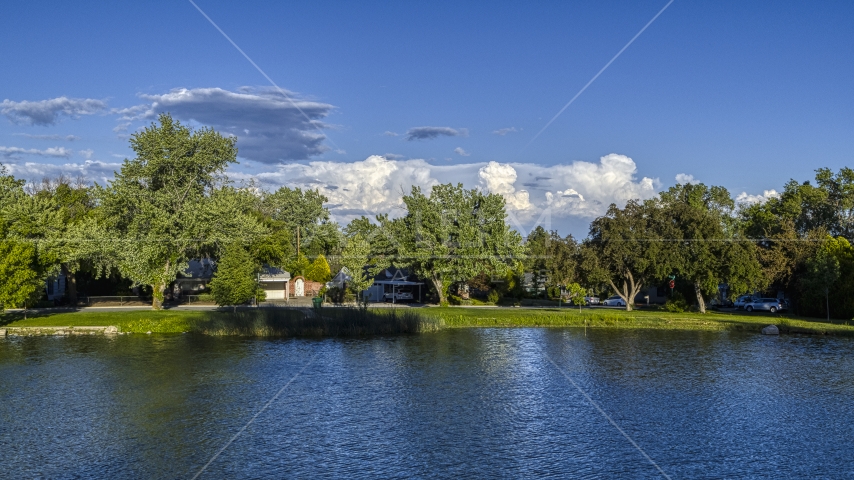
[452, 235]
[704, 243]
[172, 203]
[828, 280]
[355, 257]
[625, 249]
[319, 270]
[20, 280]
[299, 211]
[65, 244]
[235, 281]
[550, 257]
[31, 219]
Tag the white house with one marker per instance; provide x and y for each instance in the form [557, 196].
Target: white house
[275, 283]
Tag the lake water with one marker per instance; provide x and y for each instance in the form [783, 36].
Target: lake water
[487, 403]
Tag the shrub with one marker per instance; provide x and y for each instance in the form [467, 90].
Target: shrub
[335, 295]
[493, 296]
[234, 282]
[676, 303]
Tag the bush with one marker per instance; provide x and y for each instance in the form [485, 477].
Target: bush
[335, 295]
[493, 296]
[234, 282]
[676, 303]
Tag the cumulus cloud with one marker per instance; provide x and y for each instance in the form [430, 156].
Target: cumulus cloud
[269, 127]
[67, 138]
[368, 187]
[17, 152]
[87, 153]
[46, 112]
[459, 151]
[504, 131]
[747, 199]
[430, 133]
[501, 179]
[684, 179]
[569, 195]
[586, 189]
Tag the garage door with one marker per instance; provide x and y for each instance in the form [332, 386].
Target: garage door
[275, 290]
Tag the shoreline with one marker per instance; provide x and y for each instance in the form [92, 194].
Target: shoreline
[186, 320]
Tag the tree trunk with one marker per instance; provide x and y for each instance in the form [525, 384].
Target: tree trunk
[157, 294]
[630, 290]
[700, 301]
[437, 283]
[70, 286]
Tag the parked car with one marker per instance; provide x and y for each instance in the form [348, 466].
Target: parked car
[772, 305]
[591, 300]
[401, 294]
[614, 301]
[743, 300]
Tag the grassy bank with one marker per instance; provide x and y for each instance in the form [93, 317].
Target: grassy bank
[330, 322]
[608, 318]
[280, 322]
[352, 322]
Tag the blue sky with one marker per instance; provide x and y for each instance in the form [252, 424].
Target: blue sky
[740, 94]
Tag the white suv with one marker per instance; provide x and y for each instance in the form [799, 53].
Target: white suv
[614, 301]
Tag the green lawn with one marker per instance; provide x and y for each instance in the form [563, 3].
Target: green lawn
[178, 321]
[598, 318]
[133, 321]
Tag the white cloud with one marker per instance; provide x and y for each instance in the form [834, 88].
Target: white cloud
[67, 138]
[86, 153]
[745, 198]
[46, 112]
[429, 133]
[89, 171]
[366, 187]
[459, 151]
[568, 194]
[586, 189]
[269, 127]
[390, 134]
[505, 131]
[501, 179]
[684, 179]
[17, 152]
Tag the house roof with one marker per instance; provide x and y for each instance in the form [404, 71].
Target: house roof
[274, 274]
[199, 269]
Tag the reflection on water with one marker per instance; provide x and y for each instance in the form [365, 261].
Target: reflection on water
[484, 403]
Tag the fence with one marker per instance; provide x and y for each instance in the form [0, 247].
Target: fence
[113, 301]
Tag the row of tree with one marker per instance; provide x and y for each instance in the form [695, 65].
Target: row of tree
[173, 203]
[170, 204]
